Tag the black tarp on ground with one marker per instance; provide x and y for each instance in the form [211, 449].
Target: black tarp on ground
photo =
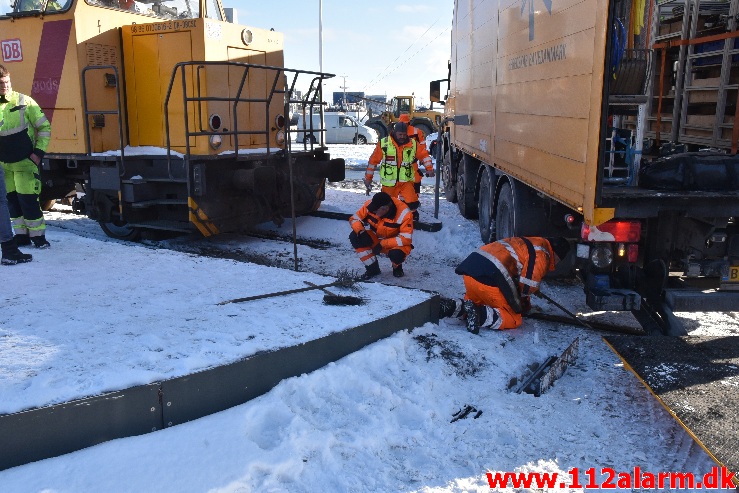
[697, 380]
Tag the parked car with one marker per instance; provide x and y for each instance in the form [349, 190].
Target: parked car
[340, 129]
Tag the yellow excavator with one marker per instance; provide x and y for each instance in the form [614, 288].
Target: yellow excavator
[422, 118]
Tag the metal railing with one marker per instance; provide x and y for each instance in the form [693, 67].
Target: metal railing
[87, 111]
[278, 84]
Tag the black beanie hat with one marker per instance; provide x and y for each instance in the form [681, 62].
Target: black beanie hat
[380, 199]
[400, 127]
[560, 246]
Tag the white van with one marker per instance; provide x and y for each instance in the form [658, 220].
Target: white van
[340, 129]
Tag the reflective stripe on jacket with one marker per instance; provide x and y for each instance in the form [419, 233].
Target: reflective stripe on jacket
[507, 264]
[391, 231]
[24, 129]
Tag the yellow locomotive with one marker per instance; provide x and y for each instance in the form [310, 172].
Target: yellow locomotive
[165, 115]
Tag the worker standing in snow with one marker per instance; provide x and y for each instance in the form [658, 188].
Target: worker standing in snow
[500, 277]
[395, 156]
[384, 225]
[417, 135]
[24, 135]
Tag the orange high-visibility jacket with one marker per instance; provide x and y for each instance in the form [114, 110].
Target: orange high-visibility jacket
[378, 156]
[509, 265]
[396, 231]
[417, 134]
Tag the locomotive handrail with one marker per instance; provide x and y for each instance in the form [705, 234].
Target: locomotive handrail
[87, 112]
[316, 88]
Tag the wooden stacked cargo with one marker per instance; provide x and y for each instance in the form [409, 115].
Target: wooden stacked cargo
[696, 76]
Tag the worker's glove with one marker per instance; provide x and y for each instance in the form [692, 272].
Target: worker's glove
[430, 174]
[525, 304]
[377, 249]
[367, 184]
[364, 239]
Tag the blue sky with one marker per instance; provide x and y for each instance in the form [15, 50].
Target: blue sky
[381, 46]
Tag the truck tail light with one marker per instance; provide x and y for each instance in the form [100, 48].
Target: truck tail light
[632, 252]
[614, 230]
[628, 251]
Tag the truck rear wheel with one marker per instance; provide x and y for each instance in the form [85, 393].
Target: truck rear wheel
[519, 212]
[486, 205]
[448, 171]
[466, 182]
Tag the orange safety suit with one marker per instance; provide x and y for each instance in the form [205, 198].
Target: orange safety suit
[392, 233]
[404, 186]
[419, 137]
[502, 275]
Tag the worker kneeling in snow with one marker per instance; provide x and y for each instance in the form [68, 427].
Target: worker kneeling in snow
[499, 278]
[383, 225]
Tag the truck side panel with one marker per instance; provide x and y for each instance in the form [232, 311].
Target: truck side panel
[546, 92]
[474, 90]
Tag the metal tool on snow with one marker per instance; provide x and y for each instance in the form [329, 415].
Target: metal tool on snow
[345, 280]
[572, 315]
[330, 298]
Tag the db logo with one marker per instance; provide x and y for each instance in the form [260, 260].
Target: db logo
[11, 50]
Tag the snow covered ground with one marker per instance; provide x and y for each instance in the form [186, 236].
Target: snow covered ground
[93, 314]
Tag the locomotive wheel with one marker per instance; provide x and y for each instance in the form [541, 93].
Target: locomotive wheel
[120, 230]
[46, 205]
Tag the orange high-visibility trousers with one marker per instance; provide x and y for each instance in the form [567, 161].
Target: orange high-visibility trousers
[482, 294]
[405, 191]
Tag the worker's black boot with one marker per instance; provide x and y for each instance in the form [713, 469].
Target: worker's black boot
[22, 240]
[476, 315]
[40, 241]
[398, 271]
[11, 254]
[371, 270]
[449, 307]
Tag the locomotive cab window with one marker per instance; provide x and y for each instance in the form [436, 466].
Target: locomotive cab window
[46, 6]
[213, 10]
[165, 9]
